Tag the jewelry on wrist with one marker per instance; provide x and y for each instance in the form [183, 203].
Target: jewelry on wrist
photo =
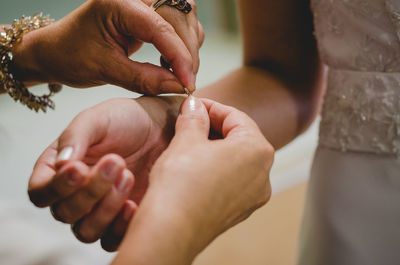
[11, 37]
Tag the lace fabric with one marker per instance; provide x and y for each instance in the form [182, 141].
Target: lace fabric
[360, 42]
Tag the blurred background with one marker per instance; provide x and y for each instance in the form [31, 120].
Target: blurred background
[30, 236]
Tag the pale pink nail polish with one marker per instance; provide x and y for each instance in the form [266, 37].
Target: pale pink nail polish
[109, 171]
[65, 154]
[194, 105]
[125, 184]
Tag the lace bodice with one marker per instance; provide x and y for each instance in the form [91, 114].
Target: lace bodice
[360, 42]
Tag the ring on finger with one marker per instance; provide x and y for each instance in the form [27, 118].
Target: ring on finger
[181, 5]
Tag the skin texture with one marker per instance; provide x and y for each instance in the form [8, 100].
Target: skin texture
[145, 134]
[104, 34]
[186, 200]
[280, 86]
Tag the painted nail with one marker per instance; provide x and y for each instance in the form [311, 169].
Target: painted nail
[193, 104]
[65, 154]
[125, 184]
[109, 171]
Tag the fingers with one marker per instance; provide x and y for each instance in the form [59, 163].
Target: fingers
[187, 27]
[228, 121]
[193, 121]
[101, 178]
[42, 175]
[144, 78]
[93, 226]
[116, 231]
[140, 21]
[87, 128]
[68, 179]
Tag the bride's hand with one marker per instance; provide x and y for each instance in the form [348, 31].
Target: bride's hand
[199, 187]
[87, 174]
[91, 45]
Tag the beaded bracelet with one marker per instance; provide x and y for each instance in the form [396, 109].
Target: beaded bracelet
[16, 89]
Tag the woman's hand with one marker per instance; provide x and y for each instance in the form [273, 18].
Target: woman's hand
[199, 187]
[87, 174]
[91, 45]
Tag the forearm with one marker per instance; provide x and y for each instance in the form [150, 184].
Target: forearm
[157, 236]
[280, 113]
[24, 67]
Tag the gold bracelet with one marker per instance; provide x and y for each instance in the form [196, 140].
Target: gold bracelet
[16, 89]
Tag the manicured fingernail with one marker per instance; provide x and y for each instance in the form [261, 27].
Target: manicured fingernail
[109, 171]
[125, 184]
[193, 104]
[65, 154]
[171, 86]
[128, 213]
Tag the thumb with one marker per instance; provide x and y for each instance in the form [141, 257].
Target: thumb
[144, 78]
[82, 132]
[193, 120]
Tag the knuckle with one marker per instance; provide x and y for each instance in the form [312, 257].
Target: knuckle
[164, 27]
[143, 85]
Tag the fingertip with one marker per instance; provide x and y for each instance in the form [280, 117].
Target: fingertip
[115, 233]
[188, 78]
[193, 105]
[73, 173]
[126, 181]
[129, 210]
[63, 156]
[110, 167]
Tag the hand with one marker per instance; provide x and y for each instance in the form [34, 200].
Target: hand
[88, 187]
[91, 45]
[199, 187]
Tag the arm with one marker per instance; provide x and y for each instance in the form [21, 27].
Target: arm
[279, 86]
[185, 207]
[116, 28]
[280, 83]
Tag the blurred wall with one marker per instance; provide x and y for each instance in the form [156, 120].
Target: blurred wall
[215, 15]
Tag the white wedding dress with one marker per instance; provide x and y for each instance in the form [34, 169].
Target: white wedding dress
[352, 214]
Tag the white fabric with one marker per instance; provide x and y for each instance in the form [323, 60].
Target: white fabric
[29, 239]
[353, 205]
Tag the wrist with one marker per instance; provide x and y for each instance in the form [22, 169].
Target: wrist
[25, 65]
[161, 230]
[162, 110]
